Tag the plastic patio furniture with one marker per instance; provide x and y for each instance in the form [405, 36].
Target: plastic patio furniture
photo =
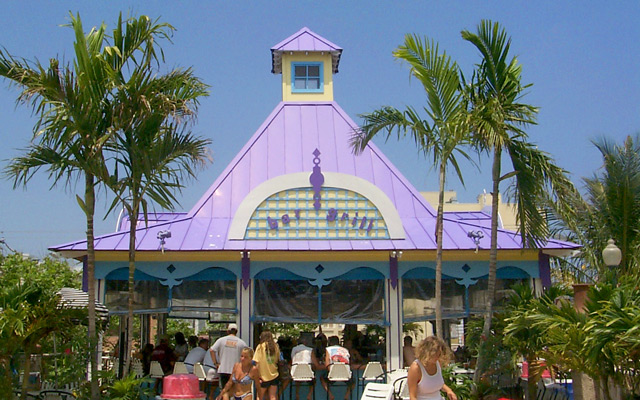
[338, 373]
[378, 391]
[180, 368]
[54, 394]
[373, 372]
[302, 375]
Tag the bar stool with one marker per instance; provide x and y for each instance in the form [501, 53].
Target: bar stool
[155, 371]
[180, 368]
[198, 370]
[338, 373]
[302, 375]
[373, 372]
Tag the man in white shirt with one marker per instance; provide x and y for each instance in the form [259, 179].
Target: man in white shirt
[303, 354]
[225, 352]
[337, 354]
[196, 355]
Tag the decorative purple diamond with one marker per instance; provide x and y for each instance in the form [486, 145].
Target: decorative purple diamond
[466, 268]
[319, 268]
[171, 268]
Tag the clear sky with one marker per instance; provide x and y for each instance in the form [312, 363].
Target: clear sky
[583, 59]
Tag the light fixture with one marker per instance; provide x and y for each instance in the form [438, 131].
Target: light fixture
[162, 235]
[476, 236]
[395, 253]
[611, 254]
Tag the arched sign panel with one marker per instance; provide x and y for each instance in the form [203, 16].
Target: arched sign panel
[343, 207]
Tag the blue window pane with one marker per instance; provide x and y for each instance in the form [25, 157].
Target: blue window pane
[314, 71]
[300, 71]
[313, 83]
[300, 83]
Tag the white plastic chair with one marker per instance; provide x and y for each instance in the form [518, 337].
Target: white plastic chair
[136, 367]
[302, 374]
[155, 370]
[338, 373]
[398, 379]
[198, 370]
[377, 391]
[396, 374]
[372, 372]
[53, 394]
[47, 385]
[180, 368]
[402, 387]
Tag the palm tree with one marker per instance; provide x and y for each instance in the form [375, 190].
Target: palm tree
[74, 113]
[498, 119]
[610, 209]
[154, 151]
[441, 135]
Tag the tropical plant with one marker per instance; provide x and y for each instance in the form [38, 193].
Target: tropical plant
[610, 209]
[498, 120]
[289, 330]
[51, 274]
[129, 388]
[525, 338]
[501, 365]
[612, 343]
[441, 135]
[29, 314]
[153, 149]
[48, 272]
[74, 110]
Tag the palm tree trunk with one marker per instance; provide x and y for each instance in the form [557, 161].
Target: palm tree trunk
[439, 229]
[493, 260]
[90, 203]
[133, 223]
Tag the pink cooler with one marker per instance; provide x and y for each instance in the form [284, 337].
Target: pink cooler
[181, 386]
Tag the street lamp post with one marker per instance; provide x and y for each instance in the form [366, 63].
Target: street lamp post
[612, 256]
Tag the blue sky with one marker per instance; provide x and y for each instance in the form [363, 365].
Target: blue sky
[583, 60]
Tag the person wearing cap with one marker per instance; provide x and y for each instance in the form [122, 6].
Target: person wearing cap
[225, 353]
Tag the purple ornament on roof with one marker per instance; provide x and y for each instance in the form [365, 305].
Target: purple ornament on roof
[316, 179]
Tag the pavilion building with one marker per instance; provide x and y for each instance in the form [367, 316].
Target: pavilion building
[299, 229]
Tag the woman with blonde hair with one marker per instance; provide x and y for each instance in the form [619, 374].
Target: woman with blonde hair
[425, 373]
[243, 374]
[267, 356]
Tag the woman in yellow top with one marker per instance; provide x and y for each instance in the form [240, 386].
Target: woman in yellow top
[267, 356]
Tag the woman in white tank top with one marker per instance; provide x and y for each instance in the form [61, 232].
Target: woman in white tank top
[425, 374]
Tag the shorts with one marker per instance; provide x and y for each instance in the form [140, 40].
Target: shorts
[273, 382]
[212, 374]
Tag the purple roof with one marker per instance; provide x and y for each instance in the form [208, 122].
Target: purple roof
[284, 144]
[304, 40]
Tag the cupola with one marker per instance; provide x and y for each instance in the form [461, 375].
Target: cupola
[307, 62]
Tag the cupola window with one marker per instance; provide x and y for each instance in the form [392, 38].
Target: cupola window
[307, 77]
